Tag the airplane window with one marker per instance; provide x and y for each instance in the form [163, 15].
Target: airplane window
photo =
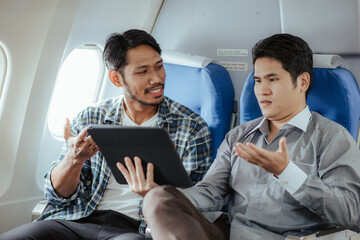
[3, 68]
[77, 86]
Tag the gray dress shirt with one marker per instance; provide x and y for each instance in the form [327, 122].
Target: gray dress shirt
[259, 206]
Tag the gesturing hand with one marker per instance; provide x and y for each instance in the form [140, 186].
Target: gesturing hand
[65, 176]
[273, 162]
[134, 176]
[80, 146]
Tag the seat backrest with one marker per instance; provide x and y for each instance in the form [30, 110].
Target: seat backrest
[335, 94]
[207, 91]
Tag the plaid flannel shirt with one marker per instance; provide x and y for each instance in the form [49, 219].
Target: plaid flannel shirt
[187, 129]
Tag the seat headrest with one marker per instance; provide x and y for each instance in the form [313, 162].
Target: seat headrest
[184, 59]
[328, 61]
[207, 91]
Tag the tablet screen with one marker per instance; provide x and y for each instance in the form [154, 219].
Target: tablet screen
[150, 144]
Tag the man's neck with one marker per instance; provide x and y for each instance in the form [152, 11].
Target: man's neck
[139, 113]
[275, 125]
[274, 128]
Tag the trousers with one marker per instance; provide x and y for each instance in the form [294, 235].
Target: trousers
[102, 224]
[170, 215]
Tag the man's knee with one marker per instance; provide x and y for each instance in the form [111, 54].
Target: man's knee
[155, 200]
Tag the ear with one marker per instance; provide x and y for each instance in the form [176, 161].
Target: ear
[304, 81]
[116, 78]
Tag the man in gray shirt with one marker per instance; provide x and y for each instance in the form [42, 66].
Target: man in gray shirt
[290, 172]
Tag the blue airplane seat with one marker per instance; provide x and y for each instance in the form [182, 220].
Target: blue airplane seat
[207, 91]
[335, 94]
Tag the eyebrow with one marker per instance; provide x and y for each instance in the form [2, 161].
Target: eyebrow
[145, 66]
[268, 75]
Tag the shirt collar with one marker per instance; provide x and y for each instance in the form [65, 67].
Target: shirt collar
[300, 121]
[114, 112]
[164, 112]
[113, 115]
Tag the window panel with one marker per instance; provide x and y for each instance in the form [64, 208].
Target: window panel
[77, 86]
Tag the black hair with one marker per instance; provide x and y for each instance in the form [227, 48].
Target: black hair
[292, 52]
[117, 45]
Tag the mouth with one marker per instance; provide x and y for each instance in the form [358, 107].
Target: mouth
[264, 102]
[156, 91]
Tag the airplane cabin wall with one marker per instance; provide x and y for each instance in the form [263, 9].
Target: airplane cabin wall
[201, 27]
[34, 51]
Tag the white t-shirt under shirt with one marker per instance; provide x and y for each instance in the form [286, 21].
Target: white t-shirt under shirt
[119, 197]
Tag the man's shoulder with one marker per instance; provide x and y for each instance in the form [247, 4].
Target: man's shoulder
[103, 105]
[106, 103]
[325, 125]
[240, 132]
[97, 112]
[246, 127]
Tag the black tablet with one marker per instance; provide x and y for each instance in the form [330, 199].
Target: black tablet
[150, 144]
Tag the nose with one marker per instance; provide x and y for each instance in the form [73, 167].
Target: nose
[262, 89]
[157, 77]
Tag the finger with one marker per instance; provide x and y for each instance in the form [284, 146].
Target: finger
[90, 142]
[150, 173]
[67, 132]
[94, 149]
[130, 167]
[239, 146]
[258, 152]
[82, 135]
[139, 170]
[242, 151]
[124, 172]
[246, 150]
[255, 155]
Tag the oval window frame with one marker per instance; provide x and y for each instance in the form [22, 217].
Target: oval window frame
[57, 131]
[3, 68]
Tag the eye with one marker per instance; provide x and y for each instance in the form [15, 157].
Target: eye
[142, 72]
[257, 80]
[158, 67]
[272, 79]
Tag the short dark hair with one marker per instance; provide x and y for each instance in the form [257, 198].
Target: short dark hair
[117, 45]
[292, 52]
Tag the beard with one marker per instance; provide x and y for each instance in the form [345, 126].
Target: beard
[127, 91]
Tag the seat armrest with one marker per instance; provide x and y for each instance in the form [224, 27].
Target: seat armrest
[39, 209]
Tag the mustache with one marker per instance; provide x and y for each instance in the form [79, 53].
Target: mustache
[155, 86]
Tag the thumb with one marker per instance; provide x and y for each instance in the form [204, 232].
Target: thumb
[282, 145]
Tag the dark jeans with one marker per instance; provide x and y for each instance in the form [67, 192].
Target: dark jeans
[170, 215]
[99, 225]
